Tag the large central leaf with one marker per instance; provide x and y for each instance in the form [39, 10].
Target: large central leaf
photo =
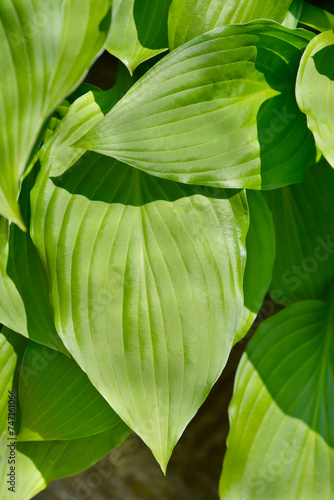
[146, 278]
[218, 111]
[45, 50]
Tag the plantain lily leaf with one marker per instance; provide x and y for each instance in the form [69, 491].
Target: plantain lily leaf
[190, 18]
[294, 13]
[129, 259]
[4, 234]
[260, 247]
[57, 400]
[304, 266]
[316, 18]
[46, 48]
[213, 113]
[38, 463]
[132, 19]
[281, 442]
[315, 91]
[24, 287]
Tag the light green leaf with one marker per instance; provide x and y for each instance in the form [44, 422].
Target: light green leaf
[315, 91]
[4, 234]
[57, 400]
[292, 17]
[123, 41]
[281, 442]
[38, 463]
[304, 226]
[190, 18]
[218, 111]
[46, 47]
[260, 247]
[146, 279]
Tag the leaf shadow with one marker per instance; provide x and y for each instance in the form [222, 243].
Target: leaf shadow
[322, 61]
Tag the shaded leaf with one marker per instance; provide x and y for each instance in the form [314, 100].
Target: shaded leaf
[190, 18]
[129, 259]
[57, 400]
[304, 226]
[260, 247]
[46, 49]
[315, 91]
[24, 289]
[218, 111]
[316, 18]
[281, 442]
[38, 463]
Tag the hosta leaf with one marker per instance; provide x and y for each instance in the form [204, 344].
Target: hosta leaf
[316, 18]
[4, 234]
[260, 247]
[45, 50]
[24, 289]
[281, 442]
[146, 279]
[190, 18]
[134, 18]
[38, 463]
[293, 15]
[315, 91]
[218, 111]
[304, 226]
[57, 400]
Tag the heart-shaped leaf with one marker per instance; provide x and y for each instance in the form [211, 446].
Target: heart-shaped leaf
[260, 247]
[218, 111]
[46, 47]
[146, 282]
[281, 442]
[190, 18]
[315, 91]
[57, 400]
[138, 30]
[304, 226]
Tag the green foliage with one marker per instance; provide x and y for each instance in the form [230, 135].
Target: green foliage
[216, 112]
[149, 250]
[282, 437]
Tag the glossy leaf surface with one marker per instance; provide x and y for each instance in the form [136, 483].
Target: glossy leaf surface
[45, 50]
[281, 442]
[218, 111]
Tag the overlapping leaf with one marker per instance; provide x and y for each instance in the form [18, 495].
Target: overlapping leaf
[304, 226]
[46, 47]
[146, 280]
[281, 442]
[38, 463]
[315, 91]
[260, 247]
[218, 111]
[190, 18]
[138, 30]
[57, 400]
[24, 288]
